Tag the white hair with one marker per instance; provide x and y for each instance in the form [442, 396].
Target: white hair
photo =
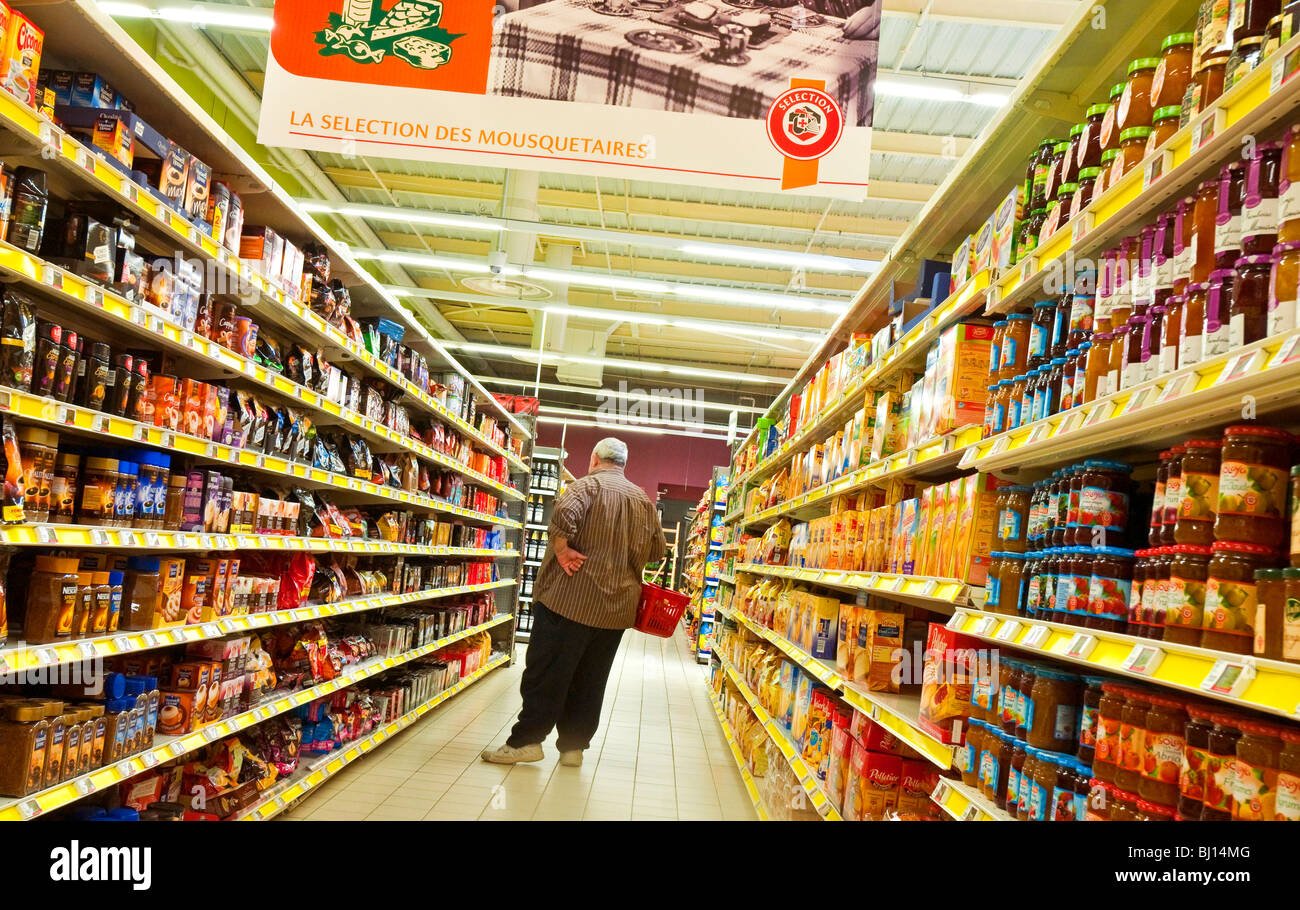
[612, 450]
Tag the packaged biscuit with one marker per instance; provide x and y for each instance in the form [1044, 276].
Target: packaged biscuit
[917, 780]
[879, 650]
[817, 735]
[855, 796]
[825, 617]
[841, 756]
[21, 64]
[880, 776]
[947, 680]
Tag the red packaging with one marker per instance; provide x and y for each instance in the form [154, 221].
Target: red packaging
[950, 660]
[192, 399]
[917, 780]
[880, 776]
[873, 736]
[167, 404]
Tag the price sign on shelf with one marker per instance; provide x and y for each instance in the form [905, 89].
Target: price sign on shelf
[1037, 636]
[1175, 387]
[1099, 414]
[1207, 128]
[970, 813]
[52, 276]
[1229, 677]
[1288, 353]
[1072, 422]
[1041, 431]
[1080, 646]
[984, 625]
[1080, 227]
[1156, 167]
[1143, 660]
[94, 296]
[1139, 399]
[1241, 365]
[1008, 632]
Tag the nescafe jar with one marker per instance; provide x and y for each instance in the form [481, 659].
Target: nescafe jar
[1185, 602]
[1199, 493]
[1253, 475]
[1231, 595]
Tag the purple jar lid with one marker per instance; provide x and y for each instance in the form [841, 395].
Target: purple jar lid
[1257, 259]
[1289, 247]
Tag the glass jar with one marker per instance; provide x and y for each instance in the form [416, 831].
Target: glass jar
[1248, 318]
[1024, 699]
[1288, 186]
[1227, 221]
[1103, 503]
[1193, 765]
[994, 578]
[1259, 211]
[1132, 739]
[1082, 307]
[1135, 103]
[1152, 338]
[1221, 768]
[63, 488]
[1042, 783]
[98, 490]
[1162, 749]
[1132, 149]
[1231, 598]
[1040, 333]
[1019, 755]
[1270, 590]
[1060, 340]
[1026, 784]
[1063, 799]
[989, 772]
[1068, 379]
[1193, 324]
[1031, 603]
[1052, 387]
[1123, 805]
[995, 349]
[1028, 239]
[1218, 307]
[989, 393]
[1282, 289]
[1074, 582]
[1198, 492]
[1104, 181]
[1058, 698]
[1088, 148]
[1085, 191]
[1171, 335]
[1185, 603]
[1141, 562]
[999, 784]
[998, 405]
[1096, 379]
[1205, 211]
[1070, 163]
[1008, 674]
[1110, 708]
[52, 597]
[1259, 752]
[1015, 346]
[1165, 122]
[1041, 161]
[970, 750]
[1253, 480]
[1163, 522]
[1246, 55]
[1015, 401]
[1208, 81]
[1291, 616]
[1054, 172]
[1137, 366]
[1013, 518]
[1287, 808]
[1110, 587]
[1089, 719]
[1174, 72]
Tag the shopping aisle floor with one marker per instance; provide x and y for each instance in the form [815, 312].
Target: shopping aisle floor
[659, 754]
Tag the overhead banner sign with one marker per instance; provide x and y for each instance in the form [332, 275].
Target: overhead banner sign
[746, 94]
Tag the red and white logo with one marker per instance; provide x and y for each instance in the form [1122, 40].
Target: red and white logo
[805, 124]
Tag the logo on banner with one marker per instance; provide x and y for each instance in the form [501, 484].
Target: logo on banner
[408, 31]
[804, 123]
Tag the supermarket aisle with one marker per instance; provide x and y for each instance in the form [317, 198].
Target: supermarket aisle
[659, 754]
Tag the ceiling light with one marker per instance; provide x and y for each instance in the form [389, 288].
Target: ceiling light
[778, 257]
[431, 261]
[621, 394]
[598, 279]
[682, 322]
[619, 427]
[385, 213]
[528, 355]
[217, 15]
[929, 92]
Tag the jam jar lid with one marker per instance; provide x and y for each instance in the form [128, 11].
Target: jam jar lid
[1135, 132]
[1143, 63]
[1237, 546]
[1247, 429]
[1168, 112]
[1268, 575]
[1018, 316]
[1289, 247]
[1192, 549]
[1097, 110]
[1114, 551]
[1100, 465]
[1177, 39]
[1205, 443]
[1255, 259]
[1077, 129]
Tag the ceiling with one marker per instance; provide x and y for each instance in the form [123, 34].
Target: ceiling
[756, 321]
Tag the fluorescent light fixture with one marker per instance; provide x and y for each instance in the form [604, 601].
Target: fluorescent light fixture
[529, 355]
[620, 394]
[621, 427]
[928, 92]
[598, 279]
[431, 261]
[778, 257]
[218, 15]
[684, 322]
[385, 213]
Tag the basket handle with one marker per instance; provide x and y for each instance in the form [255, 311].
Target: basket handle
[663, 564]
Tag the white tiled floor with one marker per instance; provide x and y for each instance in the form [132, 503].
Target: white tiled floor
[659, 754]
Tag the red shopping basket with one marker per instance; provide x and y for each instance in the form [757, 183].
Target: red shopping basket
[660, 610]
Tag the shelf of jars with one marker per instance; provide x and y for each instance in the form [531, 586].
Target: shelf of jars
[933, 593]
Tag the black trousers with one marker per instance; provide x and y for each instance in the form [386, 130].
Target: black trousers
[564, 680]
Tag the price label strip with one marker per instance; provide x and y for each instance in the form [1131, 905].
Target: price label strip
[1143, 660]
[1228, 677]
[1241, 365]
[1080, 646]
[1008, 632]
[1288, 353]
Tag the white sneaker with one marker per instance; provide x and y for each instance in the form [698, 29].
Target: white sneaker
[571, 758]
[509, 755]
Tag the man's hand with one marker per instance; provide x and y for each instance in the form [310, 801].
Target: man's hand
[570, 560]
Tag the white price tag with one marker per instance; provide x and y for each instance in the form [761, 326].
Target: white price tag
[52, 139]
[1175, 387]
[1080, 227]
[176, 750]
[85, 160]
[94, 296]
[227, 625]
[1241, 365]
[45, 656]
[210, 630]
[46, 535]
[209, 734]
[129, 644]
[1080, 646]
[984, 625]
[1072, 422]
[86, 649]
[29, 808]
[1040, 432]
[1143, 660]
[150, 759]
[1206, 129]
[84, 786]
[956, 621]
[1229, 677]
[1037, 636]
[1289, 352]
[941, 790]
[1000, 445]
[99, 538]
[1008, 631]
[1099, 414]
[5, 665]
[1156, 167]
[150, 639]
[1028, 267]
[153, 540]
[1277, 75]
[52, 276]
[970, 813]
[128, 539]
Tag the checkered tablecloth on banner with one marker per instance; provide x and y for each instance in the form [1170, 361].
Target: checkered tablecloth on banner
[565, 51]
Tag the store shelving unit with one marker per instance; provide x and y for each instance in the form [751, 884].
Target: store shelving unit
[703, 562]
[545, 482]
[741, 766]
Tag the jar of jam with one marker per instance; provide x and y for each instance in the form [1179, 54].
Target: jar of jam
[969, 753]
[1162, 748]
[1165, 122]
[998, 405]
[1270, 590]
[1135, 103]
[1231, 598]
[1259, 211]
[1082, 304]
[1034, 387]
[1141, 560]
[1073, 584]
[1042, 783]
[1221, 768]
[1132, 739]
[1085, 191]
[1132, 149]
[994, 573]
[1291, 616]
[1208, 81]
[1008, 674]
[1171, 332]
[989, 393]
[1013, 518]
[1185, 599]
[999, 783]
[1052, 387]
[1248, 318]
[1040, 162]
[1288, 186]
[1015, 346]
[1294, 547]
[1192, 323]
[1019, 755]
[1109, 133]
[1162, 561]
[1070, 164]
[1088, 153]
[1103, 503]
[1026, 785]
[995, 348]
[1253, 479]
[1027, 241]
[1015, 399]
[1024, 713]
[1110, 587]
[1011, 586]
[1259, 752]
[1089, 719]
[1250, 17]
[1080, 391]
[1060, 802]
[1123, 805]
[1174, 73]
[1227, 221]
[1097, 378]
[1110, 708]
[1194, 761]
[1104, 181]
[1068, 379]
[1031, 603]
[1218, 306]
[1152, 338]
[1246, 55]
[1282, 289]
[1137, 367]
[1205, 211]
[1173, 495]
[1040, 333]
[1054, 172]
[1287, 808]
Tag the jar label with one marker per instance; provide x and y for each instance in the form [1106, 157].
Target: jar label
[1227, 235]
[1163, 595]
[1230, 606]
[1214, 341]
[1037, 802]
[1109, 597]
[1256, 792]
[67, 608]
[1287, 807]
[1108, 127]
[1130, 747]
[1088, 726]
[1033, 595]
[1101, 508]
[995, 358]
[1168, 358]
[1261, 627]
[1158, 503]
[1072, 508]
[962, 758]
[1062, 805]
[1125, 101]
[999, 418]
[1081, 313]
[1010, 525]
[1066, 722]
[988, 769]
[1288, 203]
[1008, 353]
[1251, 489]
[1185, 606]
[1078, 590]
[1013, 789]
[1107, 750]
[1191, 773]
[1013, 414]
[1261, 219]
[1173, 496]
[1163, 757]
[1237, 330]
[1158, 80]
[1291, 629]
[1189, 350]
[1281, 316]
[1136, 595]
[1220, 781]
[1007, 709]
[1037, 340]
[1199, 496]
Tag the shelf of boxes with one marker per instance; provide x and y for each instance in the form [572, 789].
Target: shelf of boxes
[280, 795]
[167, 748]
[745, 776]
[933, 593]
[26, 657]
[1272, 686]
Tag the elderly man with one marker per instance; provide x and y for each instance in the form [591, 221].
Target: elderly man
[602, 534]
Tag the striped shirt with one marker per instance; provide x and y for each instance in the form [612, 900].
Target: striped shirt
[612, 522]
